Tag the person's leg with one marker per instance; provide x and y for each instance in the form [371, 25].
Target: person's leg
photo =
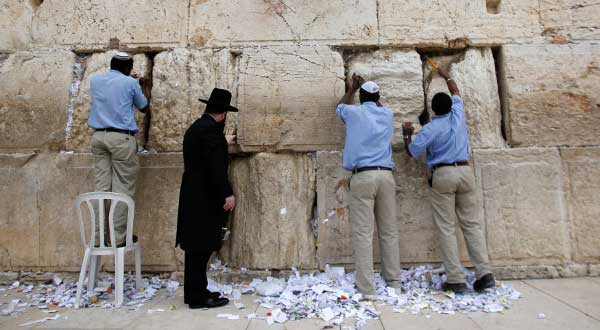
[102, 178]
[471, 224]
[195, 280]
[444, 216]
[125, 168]
[362, 192]
[387, 228]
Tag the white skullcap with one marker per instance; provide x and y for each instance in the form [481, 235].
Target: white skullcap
[370, 87]
[122, 56]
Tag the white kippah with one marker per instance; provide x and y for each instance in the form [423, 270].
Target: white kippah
[370, 87]
[122, 56]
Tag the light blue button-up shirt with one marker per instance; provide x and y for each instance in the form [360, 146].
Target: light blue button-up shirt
[369, 132]
[113, 97]
[446, 138]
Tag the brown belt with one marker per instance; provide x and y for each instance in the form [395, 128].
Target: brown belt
[461, 163]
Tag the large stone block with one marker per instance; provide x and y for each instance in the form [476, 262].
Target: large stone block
[581, 167]
[458, 23]
[570, 20]
[418, 235]
[15, 24]
[19, 215]
[525, 206]
[553, 94]
[239, 22]
[34, 94]
[180, 77]
[475, 74]
[100, 24]
[80, 135]
[271, 224]
[400, 76]
[287, 98]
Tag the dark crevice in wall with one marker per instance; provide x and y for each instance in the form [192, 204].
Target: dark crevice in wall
[502, 92]
[35, 4]
[493, 6]
[348, 53]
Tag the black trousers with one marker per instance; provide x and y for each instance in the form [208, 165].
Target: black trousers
[194, 277]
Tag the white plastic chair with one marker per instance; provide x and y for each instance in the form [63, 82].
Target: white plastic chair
[93, 252]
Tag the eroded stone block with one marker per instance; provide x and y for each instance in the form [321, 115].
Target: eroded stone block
[271, 224]
[475, 74]
[570, 20]
[180, 78]
[239, 22]
[525, 206]
[581, 167]
[99, 63]
[553, 94]
[15, 23]
[19, 216]
[287, 98]
[34, 94]
[400, 76]
[100, 24]
[457, 24]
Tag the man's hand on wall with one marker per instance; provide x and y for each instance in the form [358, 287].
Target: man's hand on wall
[229, 203]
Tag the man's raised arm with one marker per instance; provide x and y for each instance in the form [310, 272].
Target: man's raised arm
[452, 87]
[348, 98]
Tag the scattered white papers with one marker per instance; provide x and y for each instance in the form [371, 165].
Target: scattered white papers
[541, 316]
[283, 211]
[172, 286]
[228, 316]
[55, 317]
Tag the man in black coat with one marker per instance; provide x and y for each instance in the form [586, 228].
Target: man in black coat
[205, 198]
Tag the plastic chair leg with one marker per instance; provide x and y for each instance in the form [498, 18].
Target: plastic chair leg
[84, 266]
[138, 268]
[93, 275]
[119, 275]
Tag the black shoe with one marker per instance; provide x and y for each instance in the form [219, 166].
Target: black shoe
[211, 294]
[458, 288]
[485, 282]
[134, 239]
[210, 303]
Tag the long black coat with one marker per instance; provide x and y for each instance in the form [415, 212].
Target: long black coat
[204, 187]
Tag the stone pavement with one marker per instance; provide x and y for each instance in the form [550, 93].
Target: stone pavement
[566, 303]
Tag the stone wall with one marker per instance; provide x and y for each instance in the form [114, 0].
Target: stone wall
[528, 71]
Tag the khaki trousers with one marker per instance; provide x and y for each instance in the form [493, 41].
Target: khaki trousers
[454, 198]
[116, 167]
[373, 201]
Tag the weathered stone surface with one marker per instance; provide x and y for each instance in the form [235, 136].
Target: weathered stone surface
[287, 98]
[418, 235]
[98, 24]
[239, 22]
[525, 206]
[581, 167]
[180, 78]
[34, 93]
[457, 23]
[400, 76]
[15, 22]
[475, 74]
[570, 20]
[271, 224]
[19, 216]
[99, 63]
[38, 194]
[553, 94]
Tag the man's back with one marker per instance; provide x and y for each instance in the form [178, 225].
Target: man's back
[369, 132]
[113, 97]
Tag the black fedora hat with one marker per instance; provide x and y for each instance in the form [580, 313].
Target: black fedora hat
[219, 100]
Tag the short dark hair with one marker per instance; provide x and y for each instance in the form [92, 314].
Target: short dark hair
[441, 104]
[123, 66]
[365, 96]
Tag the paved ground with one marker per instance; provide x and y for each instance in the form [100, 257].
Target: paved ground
[567, 303]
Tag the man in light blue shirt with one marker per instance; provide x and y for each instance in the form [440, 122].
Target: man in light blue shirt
[453, 195]
[368, 154]
[114, 145]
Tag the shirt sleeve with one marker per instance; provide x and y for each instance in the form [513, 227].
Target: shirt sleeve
[341, 111]
[139, 100]
[457, 104]
[422, 141]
